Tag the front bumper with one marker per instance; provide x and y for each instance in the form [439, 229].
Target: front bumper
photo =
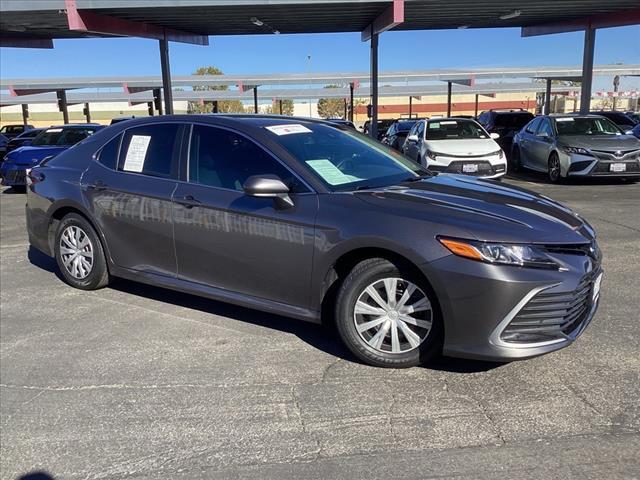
[487, 298]
[481, 167]
[578, 165]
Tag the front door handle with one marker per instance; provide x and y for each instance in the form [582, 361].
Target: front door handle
[188, 201]
[97, 185]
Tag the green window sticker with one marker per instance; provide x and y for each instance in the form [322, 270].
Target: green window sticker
[330, 173]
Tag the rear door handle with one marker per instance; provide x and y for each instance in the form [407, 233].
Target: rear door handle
[188, 201]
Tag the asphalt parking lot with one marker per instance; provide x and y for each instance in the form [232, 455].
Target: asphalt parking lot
[137, 382]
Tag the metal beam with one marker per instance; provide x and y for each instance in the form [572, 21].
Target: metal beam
[25, 114]
[448, 99]
[87, 112]
[62, 105]
[88, 21]
[26, 42]
[157, 100]
[587, 70]
[166, 76]
[351, 87]
[476, 108]
[608, 20]
[373, 125]
[392, 16]
[547, 98]
[410, 106]
[255, 99]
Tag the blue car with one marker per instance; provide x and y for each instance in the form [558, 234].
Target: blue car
[23, 139]
[48, 143]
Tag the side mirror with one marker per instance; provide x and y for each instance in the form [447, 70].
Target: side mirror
[268, 186]
[629, 132]
[412, 138]
[494, 135]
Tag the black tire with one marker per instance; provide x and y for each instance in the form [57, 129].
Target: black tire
[554, 169]
[363, 275]
[515, 159]
[98, 275]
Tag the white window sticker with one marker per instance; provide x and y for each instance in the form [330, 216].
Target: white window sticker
[54, 130]
[288, 129]
[136, 153]
[449, 122]
[564, 119]
[330, 173]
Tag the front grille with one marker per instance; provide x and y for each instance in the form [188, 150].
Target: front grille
[16, 176]
[605, 168]
[551, 316]
[484, 168]
[616, 154]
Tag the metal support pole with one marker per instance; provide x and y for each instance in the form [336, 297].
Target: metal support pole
[255, 99]
[87, 112]
[373, 126]
[157, 98]
[448, 99]
[345, 116]
[410, 106]
[25, 114]
[150, 108]
[214, 107]
[587, 70]
[351, 102]
[166, 76]
[62, 105]
[547, 98]
[280, 106]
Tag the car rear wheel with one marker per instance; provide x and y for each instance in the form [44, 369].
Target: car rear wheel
[79, 254]
[555, 172]
[386, 316]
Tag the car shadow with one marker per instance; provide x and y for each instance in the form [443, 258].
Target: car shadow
[538, 177]
[14, 190]
[323, 336]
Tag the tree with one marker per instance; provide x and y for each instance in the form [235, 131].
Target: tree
[274, 108]
[224, 106]
[331, 107]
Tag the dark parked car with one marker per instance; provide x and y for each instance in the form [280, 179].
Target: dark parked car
[48, 143]
[505, 123]
[301, 218]
[383, 126]
[11, 131]
[573, 145]
[397, 133]
[341, 122]
[635, 116]
[636, 130]
[4, 141]
[23, 139]
[622, 120]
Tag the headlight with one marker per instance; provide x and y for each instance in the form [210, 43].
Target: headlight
[500, 253]
[580, 150]
[499, 153]
[432, 155]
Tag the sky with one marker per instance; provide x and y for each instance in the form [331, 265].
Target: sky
[415, 50]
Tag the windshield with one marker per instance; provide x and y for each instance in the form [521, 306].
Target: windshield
[344, 160]
[61, 137]
[513, 120]
[454, 130]
[586, 126]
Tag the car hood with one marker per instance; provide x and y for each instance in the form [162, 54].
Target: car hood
[28, 155]
[600, 142]
[471, 146]
[483, 209]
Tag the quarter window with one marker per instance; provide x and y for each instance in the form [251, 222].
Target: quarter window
[109, 154]
[224, 159]
[152, 150]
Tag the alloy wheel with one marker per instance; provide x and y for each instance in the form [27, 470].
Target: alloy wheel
[76, 251]
[393, 315]
[554, 169]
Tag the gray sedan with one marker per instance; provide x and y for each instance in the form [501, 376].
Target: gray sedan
[576, 146]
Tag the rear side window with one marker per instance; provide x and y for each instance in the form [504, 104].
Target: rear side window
[108, 156]
[151, 150]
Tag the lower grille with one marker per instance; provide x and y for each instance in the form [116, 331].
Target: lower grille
[605, 167]
[17, 176]
[484, 168]
[551, 316]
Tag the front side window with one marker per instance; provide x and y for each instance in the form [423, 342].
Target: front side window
[545, 127]
[343, 160]
[454, 130]
[152, 150]
[586, 126]
[420, 130]
[224, 159]
[532, 126]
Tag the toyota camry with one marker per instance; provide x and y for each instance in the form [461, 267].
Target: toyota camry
[315, 221]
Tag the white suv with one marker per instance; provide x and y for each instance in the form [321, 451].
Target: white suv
[455, 145]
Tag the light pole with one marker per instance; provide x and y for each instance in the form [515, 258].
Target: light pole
[309, 73]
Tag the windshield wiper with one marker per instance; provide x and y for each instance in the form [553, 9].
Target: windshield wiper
[418, 178]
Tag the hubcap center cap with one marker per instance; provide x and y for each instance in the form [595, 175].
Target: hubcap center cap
[393, 315]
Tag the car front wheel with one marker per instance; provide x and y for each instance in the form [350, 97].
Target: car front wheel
[555, 172]
[79, 254]
[386, 315]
